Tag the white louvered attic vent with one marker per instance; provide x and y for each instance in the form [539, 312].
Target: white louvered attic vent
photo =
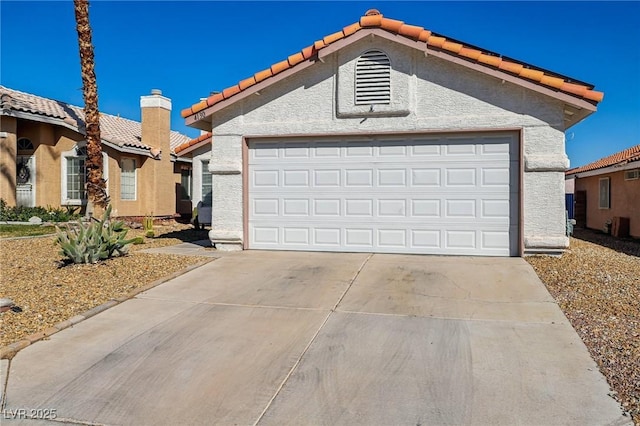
[373, 78]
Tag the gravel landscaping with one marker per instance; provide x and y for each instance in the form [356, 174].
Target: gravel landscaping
[597, 285]
[49, 292]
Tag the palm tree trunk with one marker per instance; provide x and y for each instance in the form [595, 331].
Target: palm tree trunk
[96, 188]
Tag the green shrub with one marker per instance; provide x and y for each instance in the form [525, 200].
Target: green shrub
[49, 214]
[95, 241]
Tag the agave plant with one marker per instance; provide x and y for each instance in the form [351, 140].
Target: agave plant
[95, 241]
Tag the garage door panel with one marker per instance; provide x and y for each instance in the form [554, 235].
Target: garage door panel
[358, 178]
[327, 178]
[460, 177]
[425, 177]
[295, 207]
[392, 177]
[266, 207]
[358, 208]
[392, 208]
[440, 195]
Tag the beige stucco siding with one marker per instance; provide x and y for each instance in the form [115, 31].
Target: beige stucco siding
[8, 160]
[155, 179]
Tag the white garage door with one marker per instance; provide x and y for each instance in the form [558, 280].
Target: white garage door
[431, 194]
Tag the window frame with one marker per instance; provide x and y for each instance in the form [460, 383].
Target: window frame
[135, 178]
[604, 184]
[188, 189]
[204, 171]
[73, 153]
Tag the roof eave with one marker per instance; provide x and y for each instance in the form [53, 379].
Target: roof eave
[605, 170]
[194, 147]
[202, 119]
[59, 122]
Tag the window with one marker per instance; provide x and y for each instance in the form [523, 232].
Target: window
[128, 179]
[73, 175]
[25, 144]
[206, 183]
[373, 78]
[604, 199]
[185, 184]
[632, 174]
[76, 176]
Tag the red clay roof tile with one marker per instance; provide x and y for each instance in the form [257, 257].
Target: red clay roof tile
[424, 35]
[247, 83]
[490, 60]
[262, 75]
[619, 158]
[374, 19]
[318, 45]
[202, 139]
[371, 20]
[453, 47]
[295, 59]
[436, 40]
[333, 37]
[391, 25]
[554, 82]
[470, 53]
[230, 91]
[531, 74]
[351, 29]
[308, 52]
[511, 67]
[410, 31]
[279, 67]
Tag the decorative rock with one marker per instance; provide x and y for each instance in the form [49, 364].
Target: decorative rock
[35, 220]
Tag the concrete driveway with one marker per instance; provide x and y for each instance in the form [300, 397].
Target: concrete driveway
[274, 338]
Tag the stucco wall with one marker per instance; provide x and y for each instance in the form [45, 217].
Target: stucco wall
[8, 160]
[156, 180]
[624, 201]
[441, 97]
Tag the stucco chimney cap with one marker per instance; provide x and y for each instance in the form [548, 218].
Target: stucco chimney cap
[156, 92]
[372, 12]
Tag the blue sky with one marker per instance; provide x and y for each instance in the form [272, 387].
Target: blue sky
[188, 49]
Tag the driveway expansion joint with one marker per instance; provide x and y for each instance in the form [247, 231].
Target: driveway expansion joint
[313, 338]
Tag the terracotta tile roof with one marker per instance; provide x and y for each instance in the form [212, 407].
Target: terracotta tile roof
[374, 19]
[201, 140]
[618, 159]
[116, 130]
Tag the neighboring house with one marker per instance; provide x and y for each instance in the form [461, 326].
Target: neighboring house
[43, 150]
[386, 137]
[607, 193]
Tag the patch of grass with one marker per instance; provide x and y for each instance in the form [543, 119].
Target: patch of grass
[8, 231]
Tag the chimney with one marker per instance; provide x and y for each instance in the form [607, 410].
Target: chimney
[158, 170]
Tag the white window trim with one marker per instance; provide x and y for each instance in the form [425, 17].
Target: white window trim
[135, 179]
[64, 201]
[600, 181]
[204, 168]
